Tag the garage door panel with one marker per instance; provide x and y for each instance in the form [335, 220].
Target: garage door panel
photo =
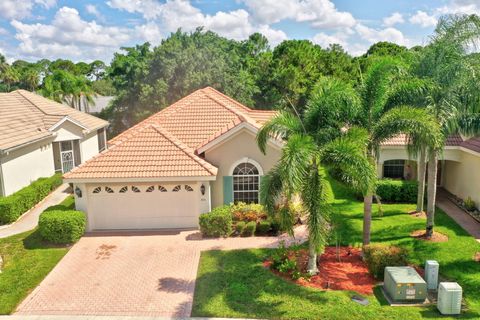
[144, 210]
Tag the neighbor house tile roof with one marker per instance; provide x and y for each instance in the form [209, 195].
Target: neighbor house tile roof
[472, 144]
[401, 140]
[151, 152]
[26, 117]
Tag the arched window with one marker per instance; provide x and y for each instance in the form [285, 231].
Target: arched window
[108, 190]
[162, 189]
[393, 169]
[188, 188]
[150, 189]
[123, 189]
[246, 179]
[176, 188]
[135, 189]
[97, 190]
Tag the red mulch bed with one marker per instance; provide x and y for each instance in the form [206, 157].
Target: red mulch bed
[436, 237]
[345, 272]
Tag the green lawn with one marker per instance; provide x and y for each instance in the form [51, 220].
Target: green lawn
[234, 283]
[27, 260]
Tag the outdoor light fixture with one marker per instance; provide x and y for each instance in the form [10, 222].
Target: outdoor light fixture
[202, 189]
[78, 192]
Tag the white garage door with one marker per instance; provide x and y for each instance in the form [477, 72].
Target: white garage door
[143, 206]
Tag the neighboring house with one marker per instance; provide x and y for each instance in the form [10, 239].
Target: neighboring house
[198, 153]
[39, 137]
[458, 167]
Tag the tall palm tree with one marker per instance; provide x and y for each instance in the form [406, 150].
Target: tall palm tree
[299, 172]
[374, 106]
[448, 77]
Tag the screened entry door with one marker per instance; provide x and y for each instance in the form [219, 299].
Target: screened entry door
[67, 156]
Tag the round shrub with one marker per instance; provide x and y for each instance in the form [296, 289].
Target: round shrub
[62, 227]
[263, 227]
[216, 223]
[401, 191]
[249, 230]
[379, 256]
[239, 227]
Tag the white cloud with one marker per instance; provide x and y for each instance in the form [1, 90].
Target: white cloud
[15, 9]
[375, 35]
[324, 40]
[174, 14]
[460, 6]
[395, 18]
[319, 13]
[92, 9]
[423, 19]
[149, 32]
[69, 36]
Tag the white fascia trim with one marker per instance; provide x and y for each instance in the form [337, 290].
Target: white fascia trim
[224, 137]
[459, 148]
[67, 118]
[469, 151]
[126, 180]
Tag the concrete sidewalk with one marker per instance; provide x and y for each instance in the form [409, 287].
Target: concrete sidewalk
[468, 223]
[29, 220]
[102, 318]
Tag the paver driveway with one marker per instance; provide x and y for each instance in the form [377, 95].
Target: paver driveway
[131, 274]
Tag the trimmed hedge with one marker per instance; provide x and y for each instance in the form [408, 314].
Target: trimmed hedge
[263, 227]
[378, 256]
[216, 223]
[239, 227]
[402, 191]
[13, 206]
[62, 226]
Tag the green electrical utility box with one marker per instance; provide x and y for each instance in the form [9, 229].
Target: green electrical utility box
[404, 285]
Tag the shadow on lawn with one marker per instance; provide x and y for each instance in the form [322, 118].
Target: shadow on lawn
[248, 291]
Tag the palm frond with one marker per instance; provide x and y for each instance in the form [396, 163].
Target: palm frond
[279, 127]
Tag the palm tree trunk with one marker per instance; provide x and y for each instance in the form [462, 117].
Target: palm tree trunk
[312, 259]
[431, 193]
[367, 218]
[422, 164]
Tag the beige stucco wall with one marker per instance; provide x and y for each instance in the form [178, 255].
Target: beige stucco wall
[22, 166]
[239, 146]
[89, 146]
[463, 178]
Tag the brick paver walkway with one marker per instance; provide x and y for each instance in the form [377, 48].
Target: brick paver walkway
[141, 274]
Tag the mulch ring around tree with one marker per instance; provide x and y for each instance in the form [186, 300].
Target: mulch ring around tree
[436, 237]
[338, 270]
[417, 214]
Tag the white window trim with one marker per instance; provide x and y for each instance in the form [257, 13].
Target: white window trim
[247, 160]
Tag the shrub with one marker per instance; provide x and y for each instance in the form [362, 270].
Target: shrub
[274, 226]
[379, 256]
[263, 227]
[469, 204]
[242, 211]
[403, 191]
[13, 206]
[217, 223]
[249, 229]
[62, 226]
[239, 227]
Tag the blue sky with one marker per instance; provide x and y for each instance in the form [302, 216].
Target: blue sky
[87, 30]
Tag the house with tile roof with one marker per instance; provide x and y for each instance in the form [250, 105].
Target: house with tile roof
[39, 137]
[196, 154]
[199, 153]
[458, 165]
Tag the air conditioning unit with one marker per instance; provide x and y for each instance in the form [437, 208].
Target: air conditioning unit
[449, 298]
[404, 285]
[431, 274]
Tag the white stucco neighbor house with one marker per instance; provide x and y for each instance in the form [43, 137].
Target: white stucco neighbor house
[164, 172]
[39, 137]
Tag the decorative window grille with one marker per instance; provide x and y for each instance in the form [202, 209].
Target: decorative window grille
[176, 188]
[188, 188]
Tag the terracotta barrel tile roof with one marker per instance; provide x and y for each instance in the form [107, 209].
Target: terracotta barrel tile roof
[472, 144]
[26, 117]
[401, 140]
[151, 152]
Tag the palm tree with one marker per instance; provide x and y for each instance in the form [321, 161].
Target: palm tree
[299, 173]
[448, 80]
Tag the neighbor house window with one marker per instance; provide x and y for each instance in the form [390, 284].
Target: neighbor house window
[101, 139]
[393, 169]
[246, 180]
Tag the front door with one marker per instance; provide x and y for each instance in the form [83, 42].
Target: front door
[66, 155]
